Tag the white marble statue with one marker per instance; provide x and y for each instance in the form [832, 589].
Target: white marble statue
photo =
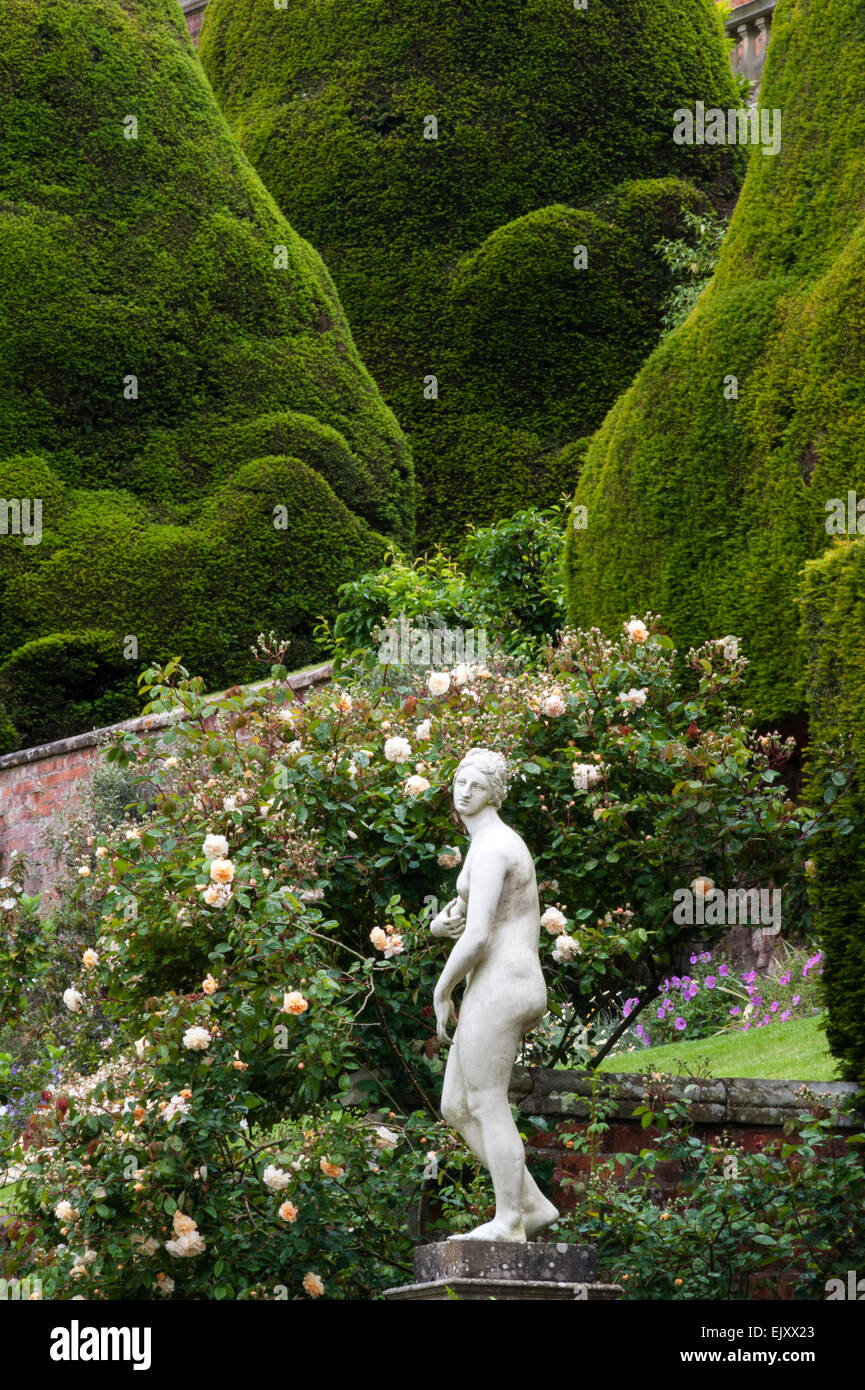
[495, 920]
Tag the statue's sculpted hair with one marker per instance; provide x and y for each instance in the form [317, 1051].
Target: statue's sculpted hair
[494, 768]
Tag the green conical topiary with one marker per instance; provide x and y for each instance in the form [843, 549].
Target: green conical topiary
[399, 137]
[161, 327]
[707, 485]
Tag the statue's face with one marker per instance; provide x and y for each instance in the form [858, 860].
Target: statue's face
[471, 791]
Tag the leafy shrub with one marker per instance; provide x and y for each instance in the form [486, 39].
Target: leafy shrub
[739, 1223]
[505, 580]
[259, 942]
[692, 262]
[162, 327]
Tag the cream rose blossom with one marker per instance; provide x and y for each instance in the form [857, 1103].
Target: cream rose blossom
[567, 949]
[553, 921]
[416, 786]
[275, 1179]
[586, 776]
[397, 750]
[554, 706]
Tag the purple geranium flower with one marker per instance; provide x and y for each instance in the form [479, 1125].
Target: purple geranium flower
[694, 959]
[796, 998]
[680, 1025]
[785, 1015]
[775, 1007]
[709, 982]
[661, 1013]
[723, 970]
[735, 1011]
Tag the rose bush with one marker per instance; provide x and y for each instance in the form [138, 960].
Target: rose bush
[258, 939]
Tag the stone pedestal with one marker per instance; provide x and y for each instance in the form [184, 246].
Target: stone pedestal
[481, 1269]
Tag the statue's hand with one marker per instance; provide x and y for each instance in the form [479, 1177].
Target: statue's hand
[445, 1016]
[451, 921]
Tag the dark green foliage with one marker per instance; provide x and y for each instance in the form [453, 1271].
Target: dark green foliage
[267, 524]
[833, 633]
[538, 106]
[536, 340]
[704, 507]
[504, 580]
[268, 548]
[9, 736]
[68, 683]
[160, 258]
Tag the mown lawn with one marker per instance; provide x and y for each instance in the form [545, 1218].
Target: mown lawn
[795, 1051]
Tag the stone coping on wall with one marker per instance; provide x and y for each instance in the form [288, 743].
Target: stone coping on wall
[145, 723]
[719, 1100]
[742, 11]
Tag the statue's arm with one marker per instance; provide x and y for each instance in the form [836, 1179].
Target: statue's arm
[487, 884]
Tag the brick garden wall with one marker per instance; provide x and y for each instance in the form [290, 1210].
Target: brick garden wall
[194, 13]
[752, 1113]
[38, 784]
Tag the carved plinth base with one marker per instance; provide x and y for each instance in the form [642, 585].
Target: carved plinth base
[481, 1269]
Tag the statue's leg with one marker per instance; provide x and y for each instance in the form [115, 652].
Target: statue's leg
[454, 1107]
[486, 1055]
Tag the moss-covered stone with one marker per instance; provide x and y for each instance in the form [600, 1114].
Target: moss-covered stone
[161, 326]
[540, 109]
[704, 504]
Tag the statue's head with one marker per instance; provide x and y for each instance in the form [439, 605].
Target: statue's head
[481, 779]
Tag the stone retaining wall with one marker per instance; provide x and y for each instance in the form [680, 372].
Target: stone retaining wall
[751, 1112]
[38, 783]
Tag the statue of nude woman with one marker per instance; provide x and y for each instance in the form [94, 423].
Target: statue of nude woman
[495, 920]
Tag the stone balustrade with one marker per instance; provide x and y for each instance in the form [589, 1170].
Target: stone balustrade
[750, 27]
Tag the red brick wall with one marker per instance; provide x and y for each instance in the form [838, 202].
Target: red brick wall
[30, 794]
[38, 784]
[750, 1114]
[193, 24]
